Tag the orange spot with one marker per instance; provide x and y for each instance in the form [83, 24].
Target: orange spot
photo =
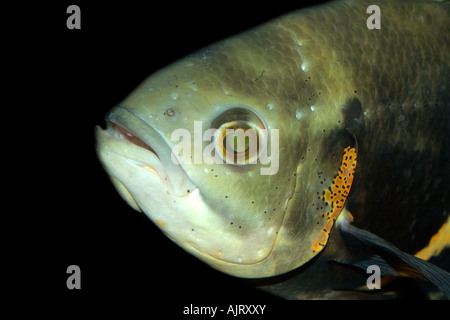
[336, 195]
[340, 188]
[328, 226]
[160, 223]
[320, 242]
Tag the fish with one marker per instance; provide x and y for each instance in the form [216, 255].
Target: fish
[302, 153]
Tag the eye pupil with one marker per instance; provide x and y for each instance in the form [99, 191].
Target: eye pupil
[236, 144]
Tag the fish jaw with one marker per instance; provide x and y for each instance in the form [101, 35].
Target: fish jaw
[142, 174]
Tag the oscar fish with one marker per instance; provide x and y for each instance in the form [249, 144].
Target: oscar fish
[339, 115]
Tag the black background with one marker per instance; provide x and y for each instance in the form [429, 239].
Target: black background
[74, 214]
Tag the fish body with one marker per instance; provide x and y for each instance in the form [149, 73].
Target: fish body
[351, 122]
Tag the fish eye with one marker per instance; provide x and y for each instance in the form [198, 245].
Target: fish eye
[240, 138]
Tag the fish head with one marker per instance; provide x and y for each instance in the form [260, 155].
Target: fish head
[166, 146]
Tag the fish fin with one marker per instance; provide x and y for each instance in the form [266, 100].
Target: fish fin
[394, 261]
[385, 268]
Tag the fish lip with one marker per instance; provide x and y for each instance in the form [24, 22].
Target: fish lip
[124, 133]
[168, 170]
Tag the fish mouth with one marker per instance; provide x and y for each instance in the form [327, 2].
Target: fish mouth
[126, 134]
[145, 147]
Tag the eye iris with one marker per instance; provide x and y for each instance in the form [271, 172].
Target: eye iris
[240, 141]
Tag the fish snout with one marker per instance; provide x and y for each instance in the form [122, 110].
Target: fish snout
[128, 141]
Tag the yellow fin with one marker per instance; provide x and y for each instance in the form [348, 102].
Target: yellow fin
[437, 243]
